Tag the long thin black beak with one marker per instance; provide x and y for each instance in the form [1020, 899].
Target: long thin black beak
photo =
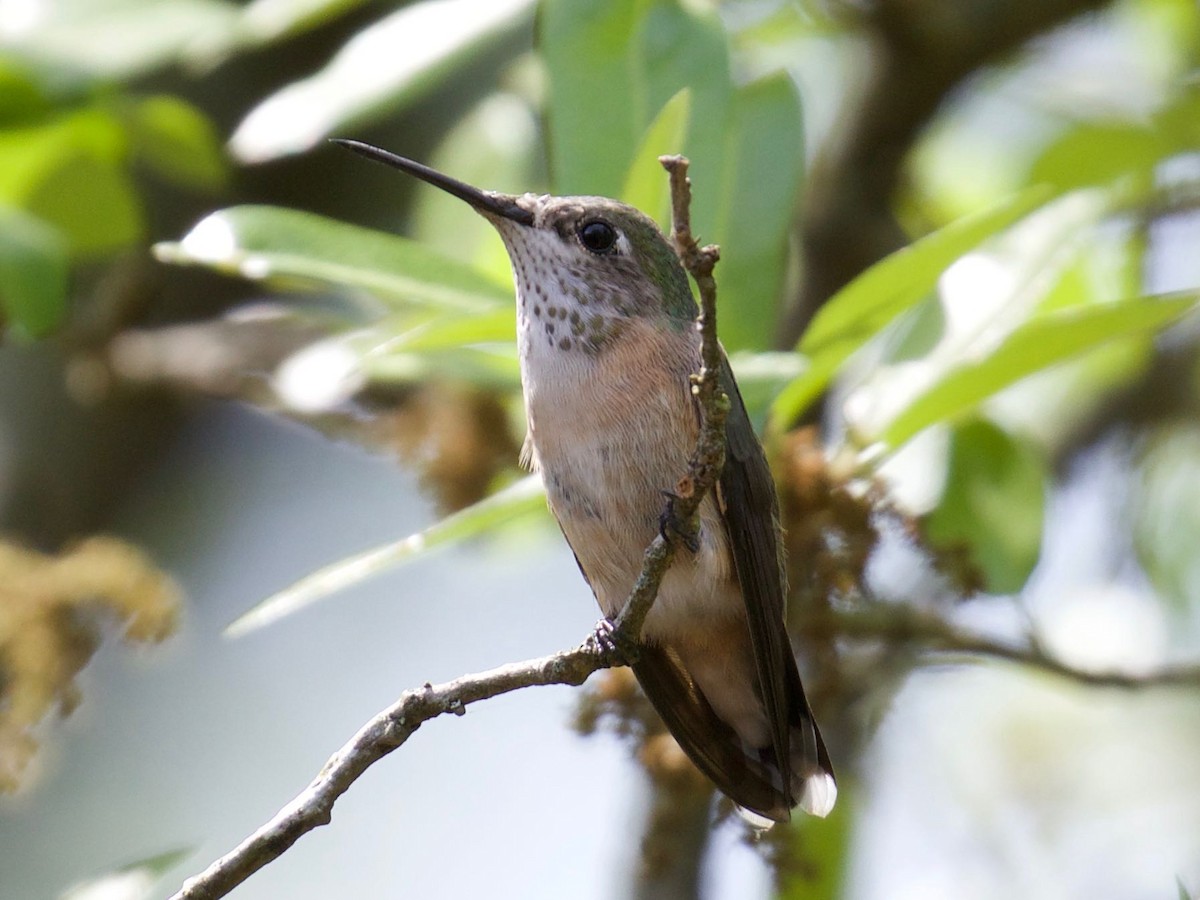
[503, 205]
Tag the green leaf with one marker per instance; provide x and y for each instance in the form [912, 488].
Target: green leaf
[678, 45]
[288, 247]
[643, 52]
[93, 203]
[764, 163]
[33, 272]
[585, 44]
[380, 69]
[894, 285]
[70, 172]
[992, 506]
[647, 186]
[1036, 345]
[823, 847]
[1093, 153]
[518, 499]
[177, 141]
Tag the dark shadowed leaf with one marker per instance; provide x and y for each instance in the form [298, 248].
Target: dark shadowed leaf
[33, 273]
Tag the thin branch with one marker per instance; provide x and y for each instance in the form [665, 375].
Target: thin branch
[390, 729]
[921, 630]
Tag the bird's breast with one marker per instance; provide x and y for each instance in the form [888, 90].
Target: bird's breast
[610, 432]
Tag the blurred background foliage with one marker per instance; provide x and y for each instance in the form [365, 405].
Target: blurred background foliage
[958, 285]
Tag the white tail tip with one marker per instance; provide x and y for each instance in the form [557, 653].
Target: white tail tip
[820, 794]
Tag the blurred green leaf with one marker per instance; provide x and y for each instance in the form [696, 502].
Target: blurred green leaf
[860, 310]
[591, 80]
[33, 273]
[764, 163]
[518, 499]
[992, 506]
[642, 53]
[384, 66]
[1093, 153]
[93, 203]
[120, 39]
[679, 45]
[821, 846]
[1033, 346]
[21, 98]
[647, 186]
[177, 141]
[494, 368]
[497, 326]
[70, 171]
[285, 246]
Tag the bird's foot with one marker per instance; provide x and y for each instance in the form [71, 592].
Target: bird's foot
[611, 641]
[669, 523]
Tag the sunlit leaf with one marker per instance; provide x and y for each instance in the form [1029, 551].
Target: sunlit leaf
[518, 499]
[33, 272]
[1099, 152]
[860, 310]
[992, 506]
[289, 247]
[381, 68]
[646, 184]
[1033, 346]
[763, 166]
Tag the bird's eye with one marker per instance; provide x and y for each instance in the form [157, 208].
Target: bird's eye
[597, 236]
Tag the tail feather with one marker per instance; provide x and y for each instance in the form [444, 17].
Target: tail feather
[750, 776]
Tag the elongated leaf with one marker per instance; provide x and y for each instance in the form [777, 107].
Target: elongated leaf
[33, 272]
[646, 184]
[764, 162]
[382, 67]
[263, 22]
[642, 53]
[993, 505]
[518, 499]
[584, 45]
[861, 309]
[1034, 346]
[266, 243]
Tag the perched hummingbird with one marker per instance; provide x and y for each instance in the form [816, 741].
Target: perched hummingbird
[607, 341]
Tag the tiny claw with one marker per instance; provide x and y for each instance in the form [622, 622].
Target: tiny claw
[669, 522]
[612, 641]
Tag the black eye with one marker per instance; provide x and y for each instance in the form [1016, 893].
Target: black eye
[597, 236]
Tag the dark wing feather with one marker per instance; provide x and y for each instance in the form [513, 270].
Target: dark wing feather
[709, 743]
[750, 509]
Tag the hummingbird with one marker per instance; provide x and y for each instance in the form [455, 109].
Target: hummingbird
[607, 341]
